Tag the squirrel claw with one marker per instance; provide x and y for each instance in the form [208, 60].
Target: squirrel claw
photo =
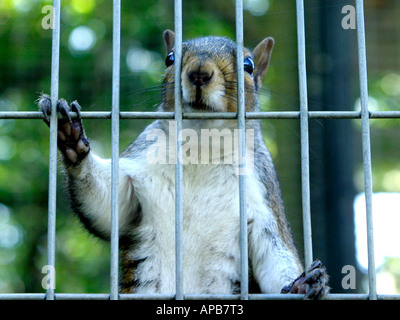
[75, 107]
[63, 109]
[44, 103]
[316, 279]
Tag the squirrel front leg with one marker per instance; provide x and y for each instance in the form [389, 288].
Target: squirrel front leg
[273, 264]
[89, 176]
[277, 268]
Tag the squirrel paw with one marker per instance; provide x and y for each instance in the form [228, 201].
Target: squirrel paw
[71, 137]
[316, 279]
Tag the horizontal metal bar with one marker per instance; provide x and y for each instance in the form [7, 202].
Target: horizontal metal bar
[311, 115]
[210, 115]
[89, 115]
[276, 296]
[213, 296]
[83, 296]
[22, 296]
[134, 296]
[21, 115]
[383, 114]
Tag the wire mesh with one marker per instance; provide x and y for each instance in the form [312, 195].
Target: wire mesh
[115, 115]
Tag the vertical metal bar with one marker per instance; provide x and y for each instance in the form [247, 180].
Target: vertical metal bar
[244, 268]
[115, 150]
[362, 60]
[305, 168]
[55, 63]
[178, 165]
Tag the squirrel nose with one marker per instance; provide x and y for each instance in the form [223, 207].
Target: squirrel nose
[199, 78]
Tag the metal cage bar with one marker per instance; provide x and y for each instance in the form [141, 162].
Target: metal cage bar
[51, 227]
[244, 268]
[178, 146]
[305, 162]
[366, 145]
[115, 115]
[114, 280]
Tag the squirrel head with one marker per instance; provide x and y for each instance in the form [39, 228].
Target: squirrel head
[209, 73]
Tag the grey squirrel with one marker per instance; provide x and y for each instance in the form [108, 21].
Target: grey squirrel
[210, 190]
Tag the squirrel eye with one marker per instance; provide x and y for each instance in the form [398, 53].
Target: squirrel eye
[249, 65]
[169, 61]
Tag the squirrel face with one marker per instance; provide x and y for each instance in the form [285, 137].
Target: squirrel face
[209, 76]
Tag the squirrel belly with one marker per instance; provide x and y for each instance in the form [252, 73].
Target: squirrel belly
[211, 168]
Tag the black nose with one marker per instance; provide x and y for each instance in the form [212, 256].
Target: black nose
[199, 78]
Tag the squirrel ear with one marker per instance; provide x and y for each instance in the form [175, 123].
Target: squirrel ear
[169, 39]
[261, 57]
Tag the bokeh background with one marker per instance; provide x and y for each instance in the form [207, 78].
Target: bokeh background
[82, 261]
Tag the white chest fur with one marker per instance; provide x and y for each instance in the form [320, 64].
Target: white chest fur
[210, 227]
